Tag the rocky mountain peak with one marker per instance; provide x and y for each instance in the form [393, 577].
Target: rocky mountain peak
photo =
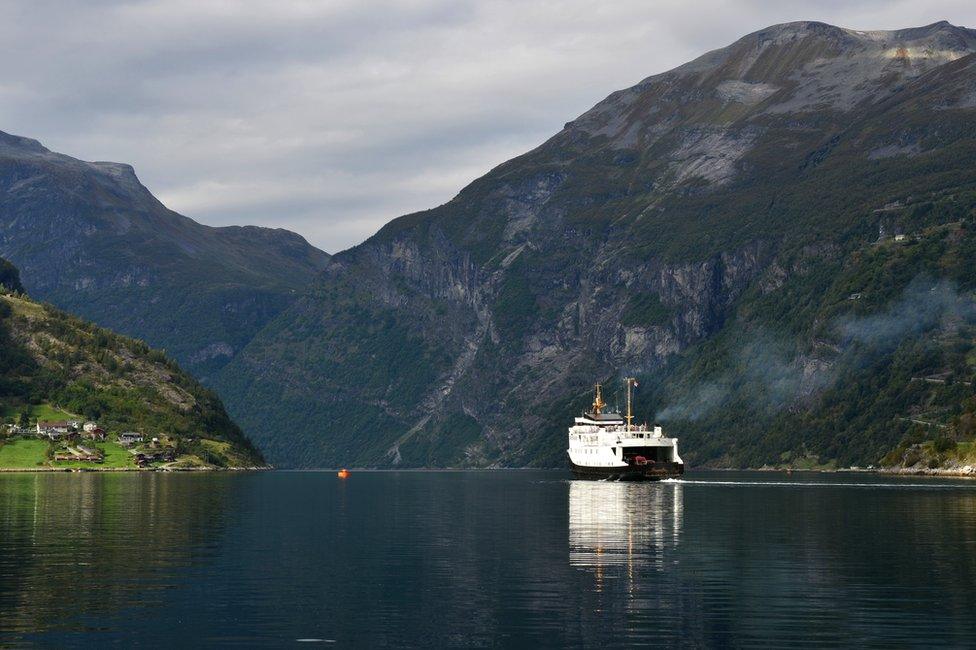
[803, 29]
[940, 30]
[704, 116]
[34, 161]
[10, 143]
[92, 239]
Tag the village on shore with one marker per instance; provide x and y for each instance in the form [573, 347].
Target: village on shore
[80, 444]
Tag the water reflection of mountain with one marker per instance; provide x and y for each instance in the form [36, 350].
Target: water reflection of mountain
[99, 545]
[635, 525]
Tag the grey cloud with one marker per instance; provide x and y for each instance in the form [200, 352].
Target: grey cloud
[338, 116]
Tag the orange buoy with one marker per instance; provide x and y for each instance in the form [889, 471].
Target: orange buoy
[343, 473]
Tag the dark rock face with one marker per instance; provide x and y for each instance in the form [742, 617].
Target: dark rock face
[641, 238]
[91, 239]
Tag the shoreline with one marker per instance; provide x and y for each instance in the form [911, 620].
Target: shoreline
[933, 473]
[938, 472]
[964, 472]
[109, 470]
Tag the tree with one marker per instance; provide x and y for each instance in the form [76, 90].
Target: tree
[23, 422]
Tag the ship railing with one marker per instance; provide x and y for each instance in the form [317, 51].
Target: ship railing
[637, 428]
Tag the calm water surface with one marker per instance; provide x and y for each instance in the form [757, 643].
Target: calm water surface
[517, 559]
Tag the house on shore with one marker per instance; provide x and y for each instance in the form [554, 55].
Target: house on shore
[129, 438]
[90, 454]
[54, 429]
[92, 431]
[146, 458]
[82, 454]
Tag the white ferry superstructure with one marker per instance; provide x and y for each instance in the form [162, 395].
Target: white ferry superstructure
[609, 446]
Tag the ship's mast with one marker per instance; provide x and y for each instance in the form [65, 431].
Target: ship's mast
[630, 415]
[598, 402]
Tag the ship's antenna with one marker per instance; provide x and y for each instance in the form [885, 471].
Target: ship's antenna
[630, 415]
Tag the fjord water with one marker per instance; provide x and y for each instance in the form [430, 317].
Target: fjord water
[511, 558]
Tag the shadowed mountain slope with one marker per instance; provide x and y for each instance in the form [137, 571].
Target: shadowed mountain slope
[92, 240]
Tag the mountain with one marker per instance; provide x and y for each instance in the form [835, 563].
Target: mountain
[54, 365]
[92, 240]
[723, 231]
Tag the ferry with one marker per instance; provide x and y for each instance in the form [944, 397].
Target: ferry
[606, 445]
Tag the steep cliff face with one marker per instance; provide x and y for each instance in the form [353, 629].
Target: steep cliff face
[639, 240]
[93, 240]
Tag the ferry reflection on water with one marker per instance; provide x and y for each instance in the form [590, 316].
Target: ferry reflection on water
[634, 526]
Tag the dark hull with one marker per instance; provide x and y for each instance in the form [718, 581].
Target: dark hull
[649, 472]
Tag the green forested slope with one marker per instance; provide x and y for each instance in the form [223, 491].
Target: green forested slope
[859, 356]
[52, 363]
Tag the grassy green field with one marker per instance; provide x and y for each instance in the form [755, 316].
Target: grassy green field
[188, 462]
[40, 412]
[28, 454]
[115, 455]
[23, 454]
[962, 453]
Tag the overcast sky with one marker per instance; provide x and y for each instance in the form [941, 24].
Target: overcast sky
[330, 118]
